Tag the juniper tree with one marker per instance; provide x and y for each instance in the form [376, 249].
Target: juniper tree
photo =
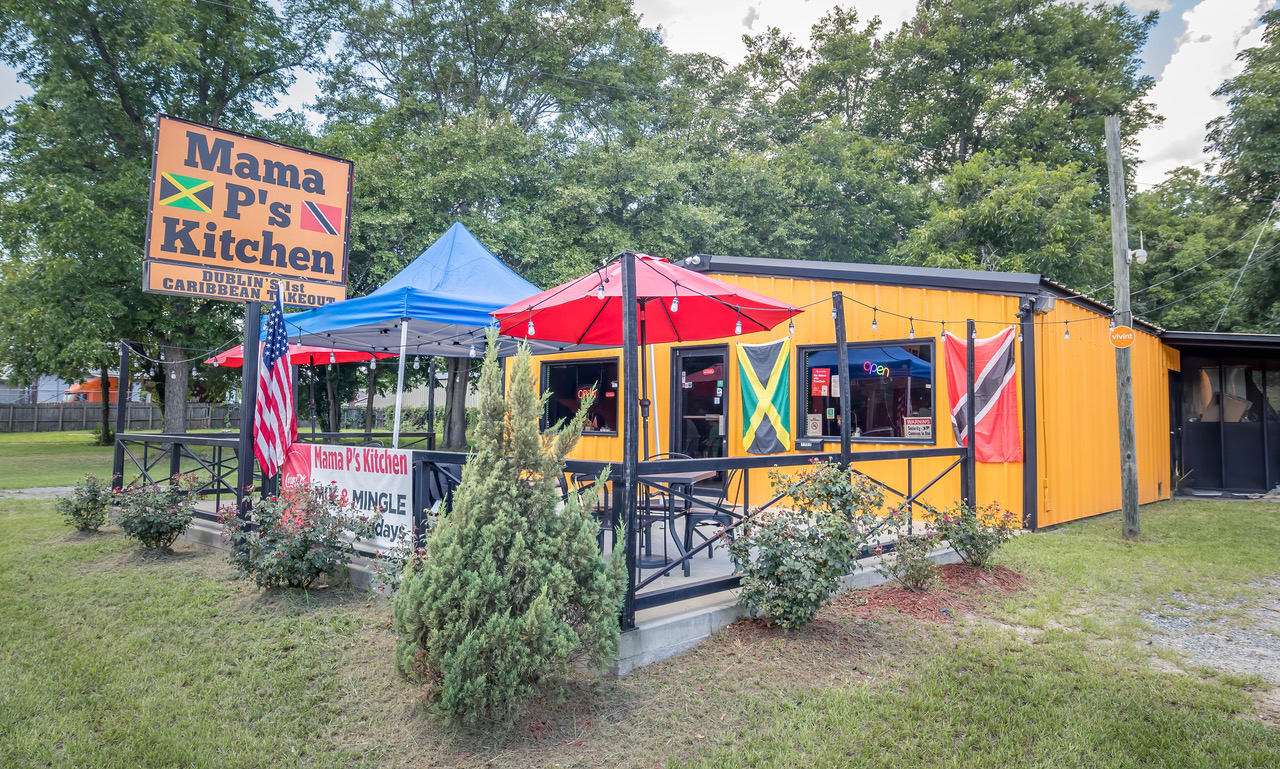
[513, 588]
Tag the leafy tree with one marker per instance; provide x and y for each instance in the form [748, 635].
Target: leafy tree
[75, 162]
[992, 216]
[513, 585]
[1246, 140]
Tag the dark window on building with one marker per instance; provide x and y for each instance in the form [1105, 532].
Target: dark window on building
[569, 383]
[891, 387]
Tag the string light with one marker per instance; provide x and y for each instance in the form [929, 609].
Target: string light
[173, 374]
[737, 327]
[472, 352]
[675, 303]
[791, 328]
[912, 333]
[600, 290]
[1066, 330]
[373, 363]
[974, 335]
[833, 312]
[332, 358]
[417, 362]
[873, 320]
[529, 330]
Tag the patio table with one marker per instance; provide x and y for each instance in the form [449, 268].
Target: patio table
[676, 481]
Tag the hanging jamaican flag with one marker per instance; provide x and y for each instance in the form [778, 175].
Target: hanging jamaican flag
[765, 373]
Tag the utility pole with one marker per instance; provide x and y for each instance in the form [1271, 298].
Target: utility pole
[1123, 317]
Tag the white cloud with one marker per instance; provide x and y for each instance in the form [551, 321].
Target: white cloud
[750, 18]
[1205, 56]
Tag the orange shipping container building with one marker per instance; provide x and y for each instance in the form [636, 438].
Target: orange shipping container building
[1067, 410]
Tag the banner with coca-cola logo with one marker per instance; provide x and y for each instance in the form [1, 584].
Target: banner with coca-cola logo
[365, 478]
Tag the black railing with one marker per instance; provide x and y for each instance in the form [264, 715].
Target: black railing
[213, 459]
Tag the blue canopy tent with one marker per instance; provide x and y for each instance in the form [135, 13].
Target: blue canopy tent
[438, 305]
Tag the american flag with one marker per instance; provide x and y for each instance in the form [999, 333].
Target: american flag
[276, 425]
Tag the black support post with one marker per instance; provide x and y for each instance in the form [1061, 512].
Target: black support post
[122, 416]
[842, 361]
[971, 468]
[1030, 419]
[248, 405]
[630, 431]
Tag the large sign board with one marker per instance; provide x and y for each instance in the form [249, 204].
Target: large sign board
[366, 480]
[232, 216]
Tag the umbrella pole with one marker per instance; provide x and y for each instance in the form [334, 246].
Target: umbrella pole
[644, 384]
[311, 380]
[653, 387]
[404, 336]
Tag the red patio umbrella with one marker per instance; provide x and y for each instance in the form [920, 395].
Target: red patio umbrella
[675, 304]
[300, 354]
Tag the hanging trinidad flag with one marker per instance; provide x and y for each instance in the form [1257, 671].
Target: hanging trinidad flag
[995, 395]
[275, 426]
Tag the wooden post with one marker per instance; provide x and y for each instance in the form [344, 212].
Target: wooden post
[248, 405]
[842, 363]
[1123, 317]
[122, 413]
[630, 431]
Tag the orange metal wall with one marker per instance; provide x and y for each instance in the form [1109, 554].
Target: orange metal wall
[1079, 424]
[1000, 482]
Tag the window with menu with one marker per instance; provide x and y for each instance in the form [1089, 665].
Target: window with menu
[891, 389]
[570, 382]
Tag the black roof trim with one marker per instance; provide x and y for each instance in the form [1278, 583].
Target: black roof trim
[1218, 341]
[981, 281]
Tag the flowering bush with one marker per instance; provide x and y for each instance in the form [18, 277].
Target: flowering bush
[976, 532]
[303, 533]
[908, 562]
[156, 514]
[86, 508]
[801, 553]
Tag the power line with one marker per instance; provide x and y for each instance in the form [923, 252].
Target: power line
[1232, 295]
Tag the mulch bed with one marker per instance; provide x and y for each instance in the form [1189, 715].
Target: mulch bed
[960, 589]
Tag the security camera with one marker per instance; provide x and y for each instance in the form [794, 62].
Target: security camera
[1140, 256]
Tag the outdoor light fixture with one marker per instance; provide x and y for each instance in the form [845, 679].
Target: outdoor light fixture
[417, 362]
[791, 328]
[912, 333]
[873, 320]
[974, 335]
[173, 375]
[675, 303]
[1066, 331]
[737, 327]
[373, 363]
[472, 352]
[833, 312]
[529, 330]
[332, 358]
[1019, 335]
[600, 290]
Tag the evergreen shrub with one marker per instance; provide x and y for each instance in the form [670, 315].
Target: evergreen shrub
[513, 587]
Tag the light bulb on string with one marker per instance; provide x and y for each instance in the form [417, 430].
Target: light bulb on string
[1066, 331]
[974, 335]
[791, 328]
[373, 363]
[173, 374]
[332, 358]
[472, 352]
[911, 334]
[833, 312]
[417, 362]
[600, 290]
[1019, 335]
[675, 303]
[873, 320]
[737, 327]
[530, 329]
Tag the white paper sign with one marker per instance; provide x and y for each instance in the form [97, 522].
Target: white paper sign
[813, 424]
[365, 478]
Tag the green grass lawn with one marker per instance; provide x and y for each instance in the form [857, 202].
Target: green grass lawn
[50, 459]
[110, 658]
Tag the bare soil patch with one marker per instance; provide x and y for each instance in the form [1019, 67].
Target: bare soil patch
[961, 589]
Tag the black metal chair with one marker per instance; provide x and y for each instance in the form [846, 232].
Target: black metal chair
[655, 505]
[712, 512]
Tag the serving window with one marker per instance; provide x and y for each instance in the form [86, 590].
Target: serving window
[570, 382]
[891, 389]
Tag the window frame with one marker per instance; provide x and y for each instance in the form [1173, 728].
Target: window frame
[544, 371]
[802, 384]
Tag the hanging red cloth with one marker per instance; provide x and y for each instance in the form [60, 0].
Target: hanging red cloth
[995, 394]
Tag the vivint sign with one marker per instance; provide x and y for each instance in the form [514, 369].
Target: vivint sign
[365, 480]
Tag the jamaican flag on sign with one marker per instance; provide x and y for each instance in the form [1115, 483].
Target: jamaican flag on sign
[765, 374]
[186, 192]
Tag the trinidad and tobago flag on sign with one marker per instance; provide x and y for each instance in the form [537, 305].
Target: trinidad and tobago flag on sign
[318, 217]
[995, 395]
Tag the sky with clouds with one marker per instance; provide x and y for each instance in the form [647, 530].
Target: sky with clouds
[1191, 52]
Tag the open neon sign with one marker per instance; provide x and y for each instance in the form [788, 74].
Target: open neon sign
[875, 369]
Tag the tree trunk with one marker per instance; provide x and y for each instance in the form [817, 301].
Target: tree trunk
[368, 405]
[332, 390]
[104, 438]
[455, 404]
[175, 391]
